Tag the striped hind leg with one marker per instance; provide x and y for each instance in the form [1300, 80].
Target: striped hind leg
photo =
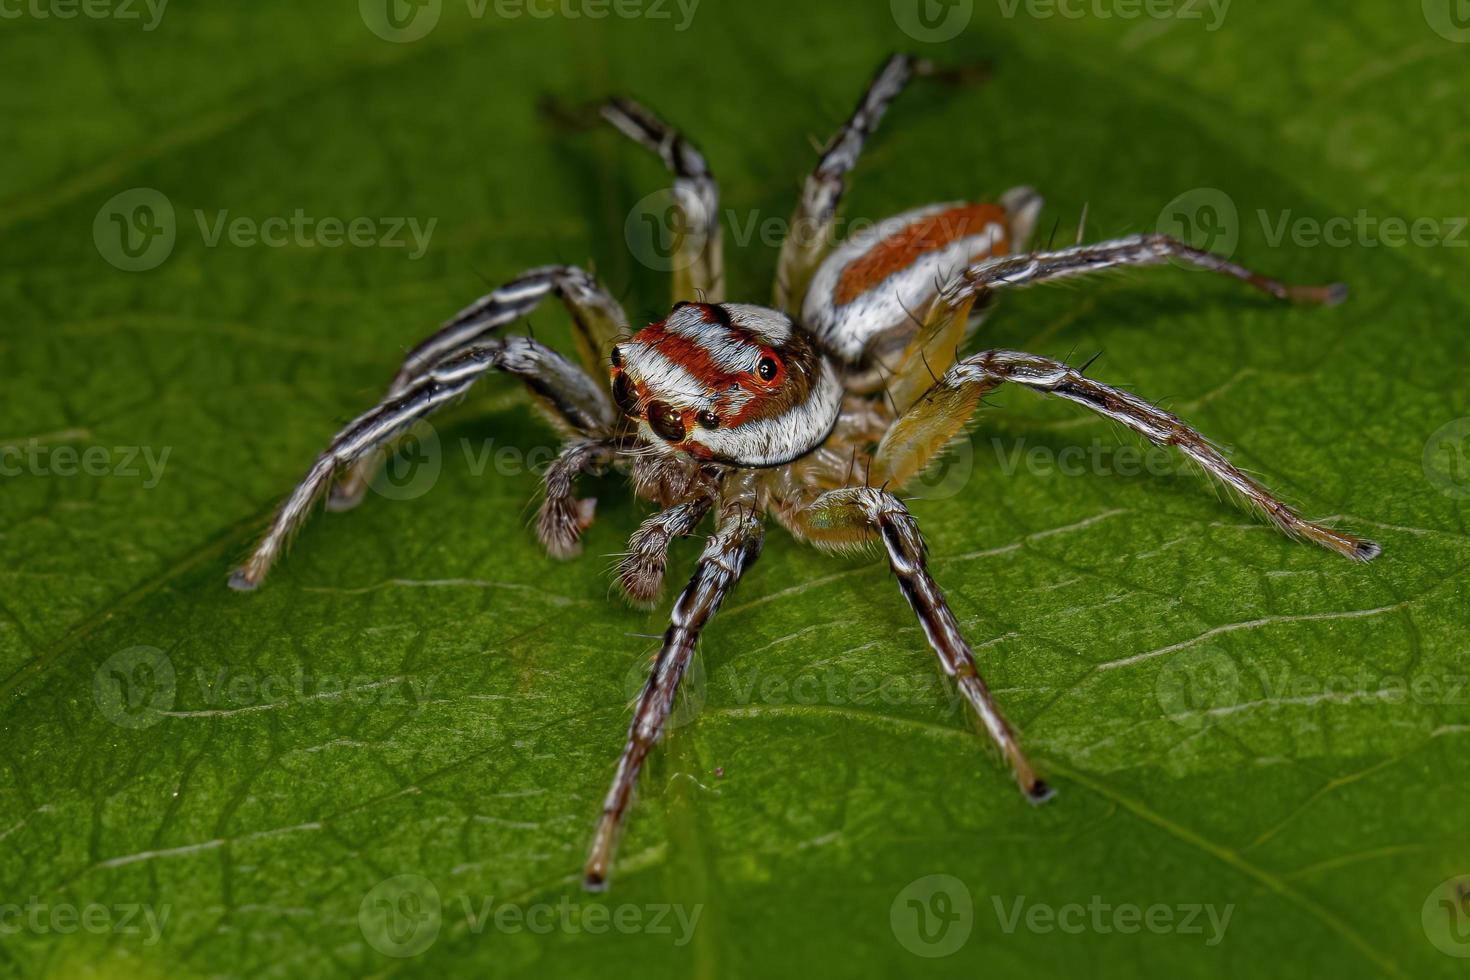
[943, 411]
[810, 236]
[728, 555]
[579, 401]
[841, 518]
[597, 319]
[698, 256]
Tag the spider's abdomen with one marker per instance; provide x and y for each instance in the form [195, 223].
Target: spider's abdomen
[883, 280]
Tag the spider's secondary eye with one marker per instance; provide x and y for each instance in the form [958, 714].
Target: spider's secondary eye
[708, 420]
[665, 421]
[622, 393]
[767, 368]
[616, 357]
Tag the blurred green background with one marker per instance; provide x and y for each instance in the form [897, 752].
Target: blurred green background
[406, 733]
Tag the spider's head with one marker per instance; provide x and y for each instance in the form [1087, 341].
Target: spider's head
[727, 382]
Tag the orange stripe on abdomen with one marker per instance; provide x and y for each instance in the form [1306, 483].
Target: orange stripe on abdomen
[903, 248]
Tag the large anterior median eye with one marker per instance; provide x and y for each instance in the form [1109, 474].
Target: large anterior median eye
[665, 421]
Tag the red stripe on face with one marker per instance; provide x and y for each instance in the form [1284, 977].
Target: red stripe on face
[691, 355]
[906, 246]
[688, 353]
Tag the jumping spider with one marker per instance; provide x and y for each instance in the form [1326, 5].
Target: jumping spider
[815, 410]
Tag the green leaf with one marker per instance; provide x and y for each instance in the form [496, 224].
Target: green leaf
[1238, 725]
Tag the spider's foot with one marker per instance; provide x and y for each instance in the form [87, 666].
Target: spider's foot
[1349, 546]
[241, 581]
[1329, 295]
[972, 73]
[1039, 792]
[561, 523]
[642, 579]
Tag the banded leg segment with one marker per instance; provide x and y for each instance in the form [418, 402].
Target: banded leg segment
[842, 517]
[945, 323]
[597, 319]
[730, 552]
[566, 389]
[948, 405]
[809, 238]
[641, 570]
[562, 517]
[1029, 269]
[699, 260]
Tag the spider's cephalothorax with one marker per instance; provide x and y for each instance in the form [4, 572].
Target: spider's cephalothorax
[852, 381]
[727, 383]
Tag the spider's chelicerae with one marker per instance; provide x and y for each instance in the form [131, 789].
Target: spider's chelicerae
[815, 410]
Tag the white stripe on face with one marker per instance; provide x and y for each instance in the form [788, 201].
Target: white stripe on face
[730, 353]
[771, 326]
[780, 438]
[665, 379]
